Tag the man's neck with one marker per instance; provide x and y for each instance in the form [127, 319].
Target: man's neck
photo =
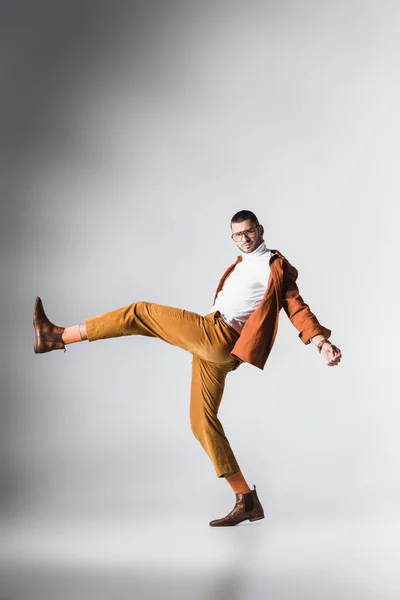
[261, 249]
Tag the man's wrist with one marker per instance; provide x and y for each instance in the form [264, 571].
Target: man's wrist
[319, 341]
[321, 344]
[316, 339]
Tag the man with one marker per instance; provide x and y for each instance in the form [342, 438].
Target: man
[241, 327]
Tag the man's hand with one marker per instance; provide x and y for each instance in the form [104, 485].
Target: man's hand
[332, 354]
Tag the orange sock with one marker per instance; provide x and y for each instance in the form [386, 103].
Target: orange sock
[238, 483]
[72, 335]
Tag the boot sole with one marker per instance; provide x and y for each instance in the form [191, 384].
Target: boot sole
[35, 344]
[35, 338]
[248, 519]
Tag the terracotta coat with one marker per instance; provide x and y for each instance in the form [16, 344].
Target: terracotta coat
[259, 331]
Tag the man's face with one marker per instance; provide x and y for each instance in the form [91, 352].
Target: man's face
[250, 240]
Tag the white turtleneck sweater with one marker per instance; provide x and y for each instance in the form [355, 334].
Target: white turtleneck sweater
[244, 288]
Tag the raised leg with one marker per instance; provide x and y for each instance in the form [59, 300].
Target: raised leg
[74, 334]
[208, 338]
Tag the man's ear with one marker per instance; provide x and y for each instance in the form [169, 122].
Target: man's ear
[261, 230]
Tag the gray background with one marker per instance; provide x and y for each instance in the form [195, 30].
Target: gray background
[132, 132]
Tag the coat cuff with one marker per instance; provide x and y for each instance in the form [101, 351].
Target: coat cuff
[308, 333]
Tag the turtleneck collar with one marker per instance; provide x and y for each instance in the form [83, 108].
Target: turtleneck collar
[262, 249]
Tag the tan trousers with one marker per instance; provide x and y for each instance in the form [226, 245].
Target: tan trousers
[209, 339]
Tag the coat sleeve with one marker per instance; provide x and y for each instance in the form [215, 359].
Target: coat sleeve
[297, 310]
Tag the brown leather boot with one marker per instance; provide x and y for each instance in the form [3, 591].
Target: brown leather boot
[247, 506]
[48, 336]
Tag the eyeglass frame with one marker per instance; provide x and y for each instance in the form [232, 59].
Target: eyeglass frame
[241, 233]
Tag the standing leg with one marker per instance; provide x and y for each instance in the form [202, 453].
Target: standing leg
[207, 388]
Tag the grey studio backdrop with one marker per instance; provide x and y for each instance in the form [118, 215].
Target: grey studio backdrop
[132, 133]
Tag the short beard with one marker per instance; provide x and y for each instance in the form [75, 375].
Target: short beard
[257, 243]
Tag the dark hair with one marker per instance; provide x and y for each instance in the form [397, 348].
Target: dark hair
[243, 215]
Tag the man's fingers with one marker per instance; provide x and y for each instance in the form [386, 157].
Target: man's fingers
[334, 361]
[335, 356]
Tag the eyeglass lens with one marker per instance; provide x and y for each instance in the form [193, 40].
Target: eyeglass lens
[239, 236]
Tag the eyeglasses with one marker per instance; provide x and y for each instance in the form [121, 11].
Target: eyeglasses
[237, 237]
